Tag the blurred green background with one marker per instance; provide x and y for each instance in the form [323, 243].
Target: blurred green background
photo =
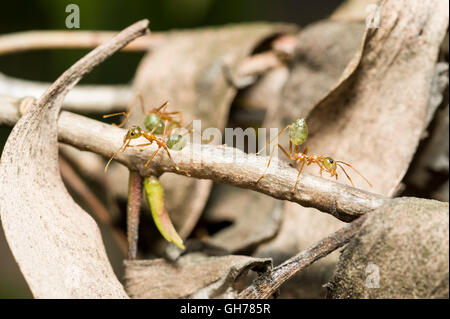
[47, 65]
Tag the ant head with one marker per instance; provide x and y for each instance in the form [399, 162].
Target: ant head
[151, 121]
[298, 131]
[133, 132]
[330, 165]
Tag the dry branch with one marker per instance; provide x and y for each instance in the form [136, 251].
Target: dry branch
[221, 164]
[266, 285]
[83, 98]
[113, 98]
[38, 40]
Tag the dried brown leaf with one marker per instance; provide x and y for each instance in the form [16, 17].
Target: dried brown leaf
[316, 68]
[57, 245]
[194, 275]
[402, 251]
[375, 116]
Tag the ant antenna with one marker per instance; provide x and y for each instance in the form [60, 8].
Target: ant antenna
[348, 177]
[367, 181]
[121, 149]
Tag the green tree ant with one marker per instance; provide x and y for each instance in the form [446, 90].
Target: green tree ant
[135, 132]
[153, 122]
[298, 132]
[155, 117]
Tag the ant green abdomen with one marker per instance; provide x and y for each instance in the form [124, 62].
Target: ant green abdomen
[298, 131]
[152, 120]
[176, 142]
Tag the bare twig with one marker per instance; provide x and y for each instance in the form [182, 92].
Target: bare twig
[221, 164]
[133, 212]
[84, 98]
[113, 98]
[38, 40]
[266, 285]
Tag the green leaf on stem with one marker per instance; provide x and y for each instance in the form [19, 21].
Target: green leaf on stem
[154, 192]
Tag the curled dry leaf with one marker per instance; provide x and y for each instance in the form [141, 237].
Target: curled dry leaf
[316, 68]
[375, 116]
[353, 10]
[193, 275]
[199, 90]
[57, 245]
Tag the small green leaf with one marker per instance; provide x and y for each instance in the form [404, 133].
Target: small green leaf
[154, 192]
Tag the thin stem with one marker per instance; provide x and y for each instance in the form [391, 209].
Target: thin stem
[38, 40]
[266, 285]
[133, 212]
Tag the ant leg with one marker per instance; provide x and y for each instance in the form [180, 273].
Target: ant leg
[120, 150]
[269, 142]
[170, 115]
[284, 151]
[167, 150]
[348, 177]
[321, 168]
[156, 127]
[270, 159]
[298, 176]
[306, 150]
[268, 164]
[181, 118]
[141, 100]
[290, 148]
[165, 129]
[171, 159]
[151, 157]
[126, 114]
[367, 181]
[162, 107]
[140, 145]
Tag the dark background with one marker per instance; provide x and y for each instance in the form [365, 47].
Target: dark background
[47, 65]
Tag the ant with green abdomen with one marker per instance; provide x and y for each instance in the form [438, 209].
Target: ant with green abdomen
[174, 142]
[298, 132]
[153, 122]
[154, 117]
